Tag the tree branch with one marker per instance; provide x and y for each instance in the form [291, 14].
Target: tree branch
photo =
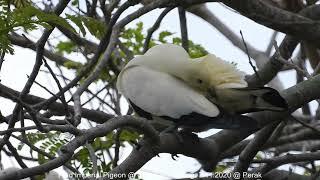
[287, 22]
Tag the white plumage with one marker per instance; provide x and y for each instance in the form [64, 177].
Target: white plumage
[162, 94]
[165, 82]
[156, 81]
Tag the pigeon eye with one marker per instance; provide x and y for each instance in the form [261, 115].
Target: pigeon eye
[199, 81]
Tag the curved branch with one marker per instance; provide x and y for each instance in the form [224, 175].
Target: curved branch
[202, 149]
[290, 158]
[68, 150]
[278, 19]
[253, 147]
[155, 26]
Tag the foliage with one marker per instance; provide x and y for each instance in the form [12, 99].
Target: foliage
[95, 27]
[221, 168]
[21, 15]
[26, 17]
[65, 46]
[48, 142]
[52, 141]
[79, 30]
[134, 38]
[72, 65]
[100, 145]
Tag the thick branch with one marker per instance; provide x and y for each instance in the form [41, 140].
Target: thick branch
[68, 150]
[275, 18]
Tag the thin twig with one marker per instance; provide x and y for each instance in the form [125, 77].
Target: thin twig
[277, 132]
[21, 118]
[63, 77]
[282, 60]
[30, 110]
[270, 45]
[129, 54]
[16, 155]
[300, 61]
[155, 26]
[286, 159]
[93, 158]
[249, 58]
[96, 95]
[2, 54]
[18, 129]
[116, 148]
[42, 86]
[62, 98]
[302, 70]
[316, 70]
[306, 125]
[248, 153]
[22, 157]
[183, 28]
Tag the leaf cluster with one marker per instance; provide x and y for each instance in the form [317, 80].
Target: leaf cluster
[27, 18]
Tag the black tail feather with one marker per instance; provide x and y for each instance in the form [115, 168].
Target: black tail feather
[262, 98]
[273, 97]
[196, 122]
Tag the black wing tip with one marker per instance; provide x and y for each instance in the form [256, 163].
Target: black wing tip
[274, 98]
[198, 122]
[271, 96]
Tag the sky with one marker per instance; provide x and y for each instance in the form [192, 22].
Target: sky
[15, 68]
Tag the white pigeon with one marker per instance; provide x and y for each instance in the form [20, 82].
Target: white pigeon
[195, 94]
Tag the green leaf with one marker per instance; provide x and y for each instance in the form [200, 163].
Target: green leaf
[196, 50]
[258, 156]
[220, 168]
[129, 135]
[28, 18]
[176, 41]
[75, 2]
[42, 159]
[66, 46]
[72, 65]
[94, 26]
[20, 3]
[78, 21]
[163, 35]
